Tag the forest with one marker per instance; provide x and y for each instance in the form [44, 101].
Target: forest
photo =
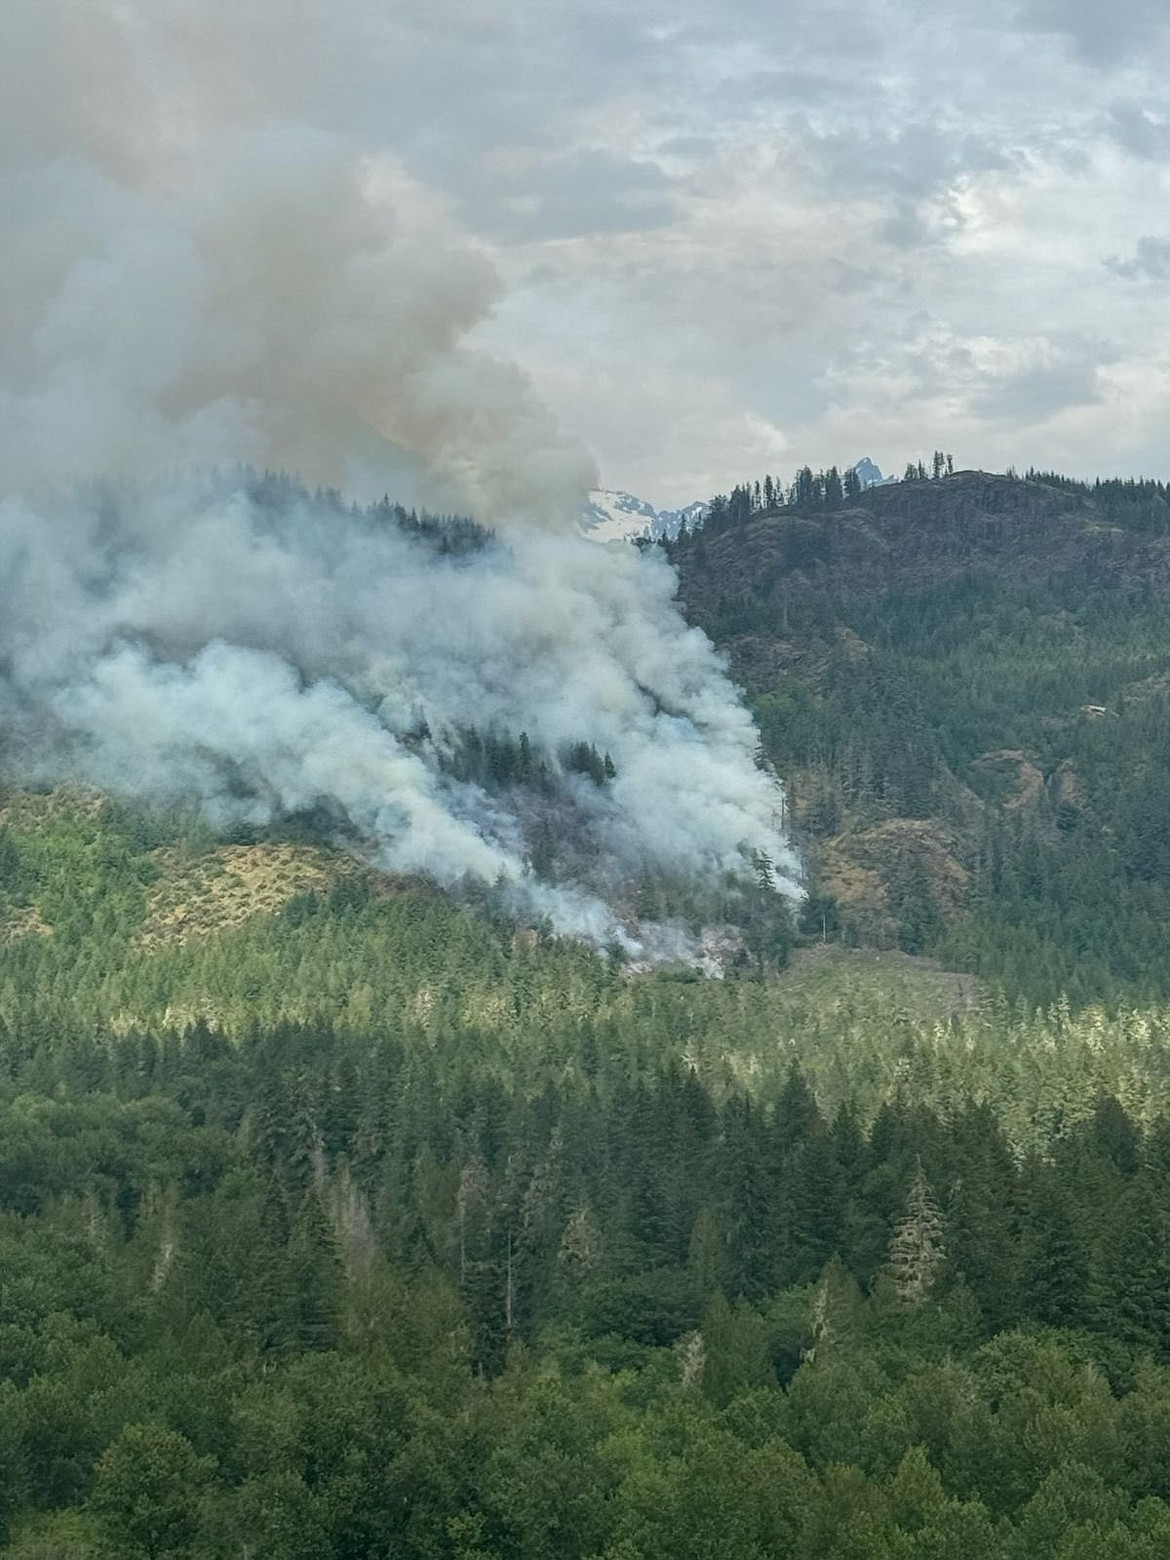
[341, 1218]
[365, 1226]
[1021, 713]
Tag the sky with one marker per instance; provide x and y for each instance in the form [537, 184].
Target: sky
[692, 243]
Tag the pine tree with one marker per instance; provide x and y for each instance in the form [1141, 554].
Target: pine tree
[917, 1248]
[804, 489]
[1055, 1267]
[581, 1245]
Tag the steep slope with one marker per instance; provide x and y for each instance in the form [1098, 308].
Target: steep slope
[915, 535]
[965, 683]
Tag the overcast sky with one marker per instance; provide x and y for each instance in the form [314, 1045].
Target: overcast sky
[730, 237]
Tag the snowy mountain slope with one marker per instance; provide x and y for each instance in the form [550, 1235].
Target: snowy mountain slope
[613, 516]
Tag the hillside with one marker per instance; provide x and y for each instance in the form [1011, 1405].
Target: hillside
[342, 1217]
[340, 1220]
[965, 682]
[922, 534]
[116, 923]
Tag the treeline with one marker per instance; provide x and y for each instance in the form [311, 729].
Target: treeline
[496, 759]
[809, 492]
[277, 493]
[335, 1295]
[1135, 504]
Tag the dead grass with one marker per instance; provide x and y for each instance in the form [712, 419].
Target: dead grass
[23, 921]
[229, 885]
[28, 812]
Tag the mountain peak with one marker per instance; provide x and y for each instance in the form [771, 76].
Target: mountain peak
[869, 473]
[612, 515]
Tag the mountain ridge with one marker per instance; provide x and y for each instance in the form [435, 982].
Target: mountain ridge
[923, 533]
[964, 682]
[612, 515]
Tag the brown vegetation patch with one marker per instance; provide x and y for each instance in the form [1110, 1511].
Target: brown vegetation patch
[862, 901]
[1066, 786]
[23, 921]
[1022, 778]
[226, 886]
[31, 811]
[851, 645]
[876, 874]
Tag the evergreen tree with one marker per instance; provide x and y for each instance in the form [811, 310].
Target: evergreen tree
[1055, 1273]
[917, 1248]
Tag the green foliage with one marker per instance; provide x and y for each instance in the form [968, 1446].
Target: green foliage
[148, 1489]
[924, 703]
[1023, 716]
[413, 1238]
[230, 1330]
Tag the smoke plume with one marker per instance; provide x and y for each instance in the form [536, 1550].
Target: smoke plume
[181, 290]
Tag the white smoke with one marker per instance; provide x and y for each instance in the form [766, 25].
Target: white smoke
[180, 288]
[278, 659]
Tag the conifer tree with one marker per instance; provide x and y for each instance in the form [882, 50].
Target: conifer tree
[917, 1247]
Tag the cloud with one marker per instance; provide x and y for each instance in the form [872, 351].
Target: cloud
[908, 162]
[1101, 35]
[227, 276]
[1139, 131]
[1150, 261]
[571, 194]
[627, 173]
[1030, 382]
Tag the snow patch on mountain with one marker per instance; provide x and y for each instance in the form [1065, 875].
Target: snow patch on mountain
[614, 516]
